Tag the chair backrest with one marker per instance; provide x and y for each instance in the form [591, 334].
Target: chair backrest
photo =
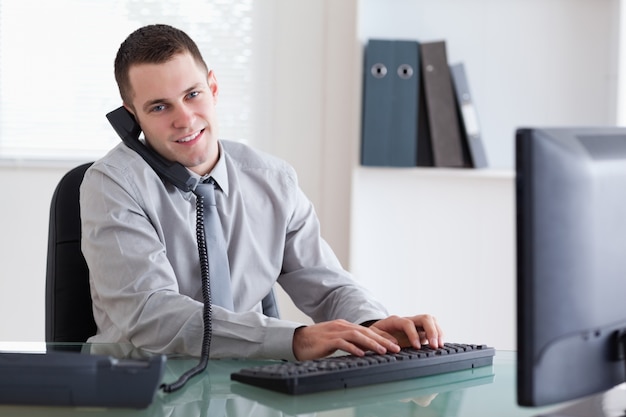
[69, 316]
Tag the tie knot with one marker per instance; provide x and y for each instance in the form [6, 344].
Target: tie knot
[207, 191]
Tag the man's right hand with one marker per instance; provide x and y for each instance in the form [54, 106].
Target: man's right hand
[323, 339]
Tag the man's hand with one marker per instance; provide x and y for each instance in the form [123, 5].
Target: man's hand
[323, 339]
[411, 331]
[386, 335]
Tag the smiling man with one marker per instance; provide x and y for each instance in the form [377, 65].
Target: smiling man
[139, 235]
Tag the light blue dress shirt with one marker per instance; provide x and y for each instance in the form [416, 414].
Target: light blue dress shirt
[139, 241]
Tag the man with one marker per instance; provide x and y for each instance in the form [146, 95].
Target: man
[139, 231]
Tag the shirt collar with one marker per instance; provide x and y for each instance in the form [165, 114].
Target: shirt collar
[219, 173]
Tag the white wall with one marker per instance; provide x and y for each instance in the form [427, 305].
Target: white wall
[308, 106]
[26, 194]
[621, 78]
[440, 242]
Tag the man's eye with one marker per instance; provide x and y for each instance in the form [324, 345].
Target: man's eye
[158, 108]
[193, 94]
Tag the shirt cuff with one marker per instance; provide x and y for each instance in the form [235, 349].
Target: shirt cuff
[279, 341]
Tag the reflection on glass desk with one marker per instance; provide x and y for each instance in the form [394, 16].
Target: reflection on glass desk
[487, 391]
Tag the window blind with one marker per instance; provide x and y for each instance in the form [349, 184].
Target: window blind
[56, 69]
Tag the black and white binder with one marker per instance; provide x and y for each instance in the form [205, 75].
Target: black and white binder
[469, 118]
[390, 103]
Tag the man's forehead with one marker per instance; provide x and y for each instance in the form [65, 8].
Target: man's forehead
[178, 76]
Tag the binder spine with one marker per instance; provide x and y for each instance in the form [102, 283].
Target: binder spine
[391, 76]
[445, 132]
[468, 116]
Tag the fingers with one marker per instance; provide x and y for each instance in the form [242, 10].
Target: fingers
[429, 330]
[323, 339]
[413, 331]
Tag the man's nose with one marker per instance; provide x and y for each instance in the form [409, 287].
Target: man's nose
[183, 117]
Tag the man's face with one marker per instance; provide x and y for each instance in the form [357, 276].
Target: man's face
[174, 103]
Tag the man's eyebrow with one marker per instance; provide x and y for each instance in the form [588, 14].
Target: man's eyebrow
[156, 101]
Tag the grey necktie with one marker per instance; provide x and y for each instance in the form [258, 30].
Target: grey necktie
[219, 270]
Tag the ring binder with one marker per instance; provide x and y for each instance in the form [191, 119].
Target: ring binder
[390, 103]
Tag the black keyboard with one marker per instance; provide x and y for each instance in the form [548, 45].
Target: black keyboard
[347, 371]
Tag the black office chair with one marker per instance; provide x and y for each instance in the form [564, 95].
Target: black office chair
[69, 317]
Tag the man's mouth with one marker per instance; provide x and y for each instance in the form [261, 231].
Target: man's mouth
[190, 138]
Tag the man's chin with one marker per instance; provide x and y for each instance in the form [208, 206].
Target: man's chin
[202, 167]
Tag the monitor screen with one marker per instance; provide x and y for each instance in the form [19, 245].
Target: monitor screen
[571, 262]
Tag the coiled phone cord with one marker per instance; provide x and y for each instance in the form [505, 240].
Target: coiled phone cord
[206, 298]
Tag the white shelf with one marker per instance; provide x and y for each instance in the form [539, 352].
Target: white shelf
[435, 172]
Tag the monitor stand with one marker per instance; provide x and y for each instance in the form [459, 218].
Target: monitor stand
[611, 403]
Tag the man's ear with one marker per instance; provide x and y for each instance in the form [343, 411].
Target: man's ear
[213, 86]
[130, 109]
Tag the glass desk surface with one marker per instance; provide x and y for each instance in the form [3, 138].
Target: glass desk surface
[484, 392]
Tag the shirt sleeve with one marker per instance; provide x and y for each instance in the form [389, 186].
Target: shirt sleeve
[135, 291]
[313, 276]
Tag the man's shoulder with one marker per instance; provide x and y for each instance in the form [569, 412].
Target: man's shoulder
[121, 157]
[245, 157]
[121, 164]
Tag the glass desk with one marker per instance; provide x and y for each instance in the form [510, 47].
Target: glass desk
[484, 392]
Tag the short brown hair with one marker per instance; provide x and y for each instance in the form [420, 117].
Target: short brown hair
[152, 44]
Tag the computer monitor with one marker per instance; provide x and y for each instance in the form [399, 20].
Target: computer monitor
[571, 262]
